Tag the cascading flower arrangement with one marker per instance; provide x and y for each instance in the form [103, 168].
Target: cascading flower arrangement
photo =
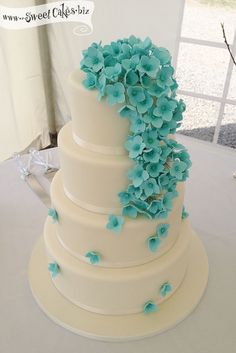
[139, 75]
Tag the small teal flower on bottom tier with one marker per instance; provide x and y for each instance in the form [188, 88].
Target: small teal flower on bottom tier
[165, 289]
[53, 214]
[184, 213]
[153, 243]
[54, 269]
[150, 307]
[162, 230]
[115, 223]
[93, 257]
[115, 93]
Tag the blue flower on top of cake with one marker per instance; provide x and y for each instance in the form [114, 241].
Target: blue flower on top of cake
[138, 74]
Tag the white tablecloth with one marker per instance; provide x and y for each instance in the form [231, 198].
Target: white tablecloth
[211, 328]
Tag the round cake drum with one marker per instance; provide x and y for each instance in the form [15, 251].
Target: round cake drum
[117, 327]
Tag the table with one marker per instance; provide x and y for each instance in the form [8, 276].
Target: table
[211, 328]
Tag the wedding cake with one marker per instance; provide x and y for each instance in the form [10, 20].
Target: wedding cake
[117, 238]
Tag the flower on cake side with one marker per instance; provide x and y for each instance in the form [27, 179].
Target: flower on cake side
[154, 241]
[139, 75]
[54, 269]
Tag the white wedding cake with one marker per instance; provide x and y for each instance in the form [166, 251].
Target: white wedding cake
[117, 237]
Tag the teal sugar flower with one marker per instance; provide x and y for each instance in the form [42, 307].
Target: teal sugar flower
[154, 169]
[115, 93]
[150, 187]
[167, 200]
[93, 256]
[135, 94]
[125, 197]
[165, 108]
[53, 214]
[142, 207]
[146, 81]
[152, 155]
[165, 152]
[131, 78]
[162, 230]
[138, 175]
[130, 64]
[165, 289]
[154, 207]
[91, 81]
[158, 91]
[153, 243]
[163, 55]
[127, 111]
[164, 76]
[144, 105]
[150, 307]
[54, 269]
[148, 65]
[150, 138]
[93, 59]
[135, 146]
[177, 169]
[137, 124]
[112, 72]
[163, 181]
[154, 120]
[134, 191]
[130, 211]
[114, 49]
[184, 213]
[165, 129]
[115, 223]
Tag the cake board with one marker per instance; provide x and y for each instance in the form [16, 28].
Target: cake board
[119, 327]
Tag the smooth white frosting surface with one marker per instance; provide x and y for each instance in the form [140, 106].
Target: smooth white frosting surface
[117, 291]
[92, 180]
[81, 231]
[94, 121]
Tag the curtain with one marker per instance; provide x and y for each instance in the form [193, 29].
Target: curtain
[23, 102]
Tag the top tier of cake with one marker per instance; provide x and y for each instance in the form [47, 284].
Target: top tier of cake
[96, 125]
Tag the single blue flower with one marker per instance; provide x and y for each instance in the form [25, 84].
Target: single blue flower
[165, 152]
[154, 169]
[138, 175]
[135, 94]
[127, 111]
[150, 138]
[165, 289]
[146, 81]
[150, 307]
[164, 76]
[93, 256]
[163, 181]
[162, 230]
[155, 121]
[134, 191]
[137, 124]
[53, 214]
[158, 91]
[130, 64]
[184, 213]
[153, 243]
[135, 146]
[163, 55]
[125, 197]
[114, 49]
[144, 105]
[112, 72]
[165, 108]
[167, 200]
[54, 269]
[177, 169]
[148, 65]
[130, 211]
[91, 81]
[115, 93]
[131, 78]
[152, 155]
[155, 207]
[93, 59]
[115, 223]
[150, 187]
[165, 129]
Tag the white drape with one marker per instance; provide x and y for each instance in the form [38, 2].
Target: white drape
[23, 110]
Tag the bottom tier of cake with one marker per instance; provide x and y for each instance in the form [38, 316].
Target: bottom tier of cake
[118, 291]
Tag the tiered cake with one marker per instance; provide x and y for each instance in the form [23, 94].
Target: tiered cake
[117, 238]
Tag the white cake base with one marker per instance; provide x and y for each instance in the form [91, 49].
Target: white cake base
[119, 328]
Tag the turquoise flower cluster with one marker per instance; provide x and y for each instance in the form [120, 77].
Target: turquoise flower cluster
[138, 75]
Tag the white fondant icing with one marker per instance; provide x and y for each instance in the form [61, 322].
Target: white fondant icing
[92, 178]
[79, 231]
[95, 121]
[117, 291]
